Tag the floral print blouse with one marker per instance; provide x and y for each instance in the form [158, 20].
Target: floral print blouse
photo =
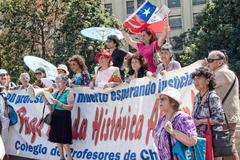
[201, 111]
[182, 122]
[81, 78]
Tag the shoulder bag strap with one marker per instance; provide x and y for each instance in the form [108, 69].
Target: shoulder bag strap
[230, 89]
[170, 146]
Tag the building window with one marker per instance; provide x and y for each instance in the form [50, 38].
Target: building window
[140, 2]
[174, 3]
[108, 7]
[130, 7]
[197, 2]
[175, 22]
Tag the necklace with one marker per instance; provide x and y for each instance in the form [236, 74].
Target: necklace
[201, 96]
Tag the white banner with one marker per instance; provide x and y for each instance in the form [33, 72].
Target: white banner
[107, 124]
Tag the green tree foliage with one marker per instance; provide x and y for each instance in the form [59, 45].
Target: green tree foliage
[49, 29]
[82, 14]
[218, 27]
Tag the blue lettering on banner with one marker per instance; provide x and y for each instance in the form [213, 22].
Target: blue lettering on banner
[35, 150]
[137, 91]
[176, 82]
[87, 154]
[149, 155]
[91, 98]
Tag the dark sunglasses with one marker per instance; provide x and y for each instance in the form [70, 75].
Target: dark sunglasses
[211, 60]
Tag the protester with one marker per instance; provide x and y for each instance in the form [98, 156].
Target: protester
[106, 75]
[146, 46]
[61, 125]
[78, 66]
[24, 78]
[62, 69]
[207, 103]
[174, 125]
[5, 80]
[168, 62]
[118, 54]
[137, 67]
[4, 120]
[39, 74]
[225, 78]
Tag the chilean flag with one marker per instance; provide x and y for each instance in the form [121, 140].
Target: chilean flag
[147, 16]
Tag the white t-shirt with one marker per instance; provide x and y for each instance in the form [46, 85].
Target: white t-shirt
[103, 77]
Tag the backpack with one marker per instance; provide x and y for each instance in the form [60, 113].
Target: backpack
[12, 115]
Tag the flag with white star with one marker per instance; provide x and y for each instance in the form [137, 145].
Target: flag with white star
[147, 16]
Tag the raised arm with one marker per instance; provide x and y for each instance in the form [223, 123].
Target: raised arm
[164, 35]
[128, 39]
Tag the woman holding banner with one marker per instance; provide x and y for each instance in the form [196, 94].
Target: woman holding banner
[137, 67]
[173, 126]
[106, 75]
[61, 124]
[149, 43]
[78, 66]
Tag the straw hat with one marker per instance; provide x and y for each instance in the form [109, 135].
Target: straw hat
[64, 68]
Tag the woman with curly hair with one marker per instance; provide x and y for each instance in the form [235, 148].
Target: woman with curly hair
[137, 67]
[78, 66]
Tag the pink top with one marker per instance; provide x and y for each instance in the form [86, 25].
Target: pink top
[147, 53]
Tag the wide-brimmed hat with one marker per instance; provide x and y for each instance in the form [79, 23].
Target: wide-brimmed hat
[172, 93]
[64, 68]
[105, 54]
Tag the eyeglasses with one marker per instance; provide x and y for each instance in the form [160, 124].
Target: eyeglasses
[211, 60]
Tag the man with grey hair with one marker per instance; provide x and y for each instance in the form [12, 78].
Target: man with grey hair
[225, 78]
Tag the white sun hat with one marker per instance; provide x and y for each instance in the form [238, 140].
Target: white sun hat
[171, 92]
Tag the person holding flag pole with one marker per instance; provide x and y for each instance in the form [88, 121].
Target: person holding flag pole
[146, 21]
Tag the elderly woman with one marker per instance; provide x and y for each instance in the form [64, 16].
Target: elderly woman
[61, 125]
[168, 62]
[106, 75]
[137, 67]
[24, 78]
[207, 103]
[78, 66]
[148, 42]
[173, 125]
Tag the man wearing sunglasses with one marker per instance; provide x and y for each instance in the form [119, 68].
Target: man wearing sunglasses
[225, 78]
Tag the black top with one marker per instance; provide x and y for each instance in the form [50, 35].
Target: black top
[118, 57]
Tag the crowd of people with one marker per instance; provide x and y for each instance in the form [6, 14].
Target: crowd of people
[117, 66]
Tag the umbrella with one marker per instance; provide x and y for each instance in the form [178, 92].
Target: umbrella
[35, 62]
[101, 33]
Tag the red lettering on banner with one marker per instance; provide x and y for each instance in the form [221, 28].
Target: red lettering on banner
[82, 133]
[34, 126]
[152, 122]
[117, 124]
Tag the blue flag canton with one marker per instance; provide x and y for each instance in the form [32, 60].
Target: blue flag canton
[146, 11]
